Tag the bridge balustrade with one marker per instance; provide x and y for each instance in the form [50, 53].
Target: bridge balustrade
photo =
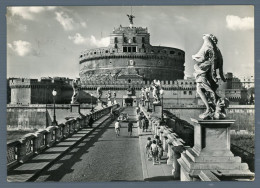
[32, 144]
[176, 148]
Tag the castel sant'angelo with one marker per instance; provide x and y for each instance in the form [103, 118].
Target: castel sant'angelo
[129, 63]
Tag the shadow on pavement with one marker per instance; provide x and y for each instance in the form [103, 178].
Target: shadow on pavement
[67, 163]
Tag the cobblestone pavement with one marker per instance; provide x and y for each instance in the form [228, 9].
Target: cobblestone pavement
[100, 157]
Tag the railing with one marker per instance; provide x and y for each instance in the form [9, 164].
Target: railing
[173, 145]
[34, 143]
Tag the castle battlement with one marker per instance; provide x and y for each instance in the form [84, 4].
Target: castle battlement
[44, 81]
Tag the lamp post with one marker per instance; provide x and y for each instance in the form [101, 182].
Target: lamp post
[92, 109]
[161, 93]
[54, 93]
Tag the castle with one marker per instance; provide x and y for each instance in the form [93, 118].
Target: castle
[129, 63]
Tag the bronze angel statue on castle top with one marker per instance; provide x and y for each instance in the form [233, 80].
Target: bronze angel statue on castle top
[208, 60]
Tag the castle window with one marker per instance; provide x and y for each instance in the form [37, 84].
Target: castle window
[172, 52]
[124, 49]
[190, 92]
[143, 40]
[115, 47]
[129, 49]
[22, 80]
[95, 52]
[134, 49]
[125, 39]
[106, 51]
[184, 92]
[134, 39]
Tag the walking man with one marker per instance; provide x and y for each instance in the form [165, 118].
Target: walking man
[130, 128]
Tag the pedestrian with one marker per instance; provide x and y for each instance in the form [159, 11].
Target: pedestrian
[148, 147]
[130, 128]
[160, 153]
[154, 151]
[117, 128]
[158, 141]
[140, 120]
[90, 121]
[143, 124]
[146, 124]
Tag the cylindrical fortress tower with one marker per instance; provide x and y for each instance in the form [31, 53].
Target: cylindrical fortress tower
[130, 53]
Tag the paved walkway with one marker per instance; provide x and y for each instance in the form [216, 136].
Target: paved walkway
[100, 157]
[34, 166]
[95, 155]
[152, 172]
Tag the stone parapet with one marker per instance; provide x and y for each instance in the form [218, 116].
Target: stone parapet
[34, 143]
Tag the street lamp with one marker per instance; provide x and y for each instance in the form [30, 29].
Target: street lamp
[54, 93]
[161, 93]
[92, 109]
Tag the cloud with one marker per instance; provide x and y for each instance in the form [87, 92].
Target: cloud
[21, 48]
[28, 12]
[181, 19]
[66, 21]
[83, 24]
[79, 39]
[236, 23]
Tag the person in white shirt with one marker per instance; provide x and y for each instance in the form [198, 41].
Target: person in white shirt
[117, 128]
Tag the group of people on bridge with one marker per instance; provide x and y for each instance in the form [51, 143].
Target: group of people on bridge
[154, 149]
[118, 126]
[143, 122]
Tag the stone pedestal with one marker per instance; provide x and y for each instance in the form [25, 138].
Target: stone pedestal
[99, 104]
[211, 153]
[109, 103]
[75, 108]
[157, 110]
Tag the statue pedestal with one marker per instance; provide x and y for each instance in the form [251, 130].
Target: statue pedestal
[109, 103]
[157, 110]
[75, 108]
[99, 104]
[211, 154]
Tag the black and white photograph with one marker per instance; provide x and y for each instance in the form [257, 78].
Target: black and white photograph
[130, 93]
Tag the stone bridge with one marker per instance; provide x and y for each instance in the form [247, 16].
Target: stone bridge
[74, 152]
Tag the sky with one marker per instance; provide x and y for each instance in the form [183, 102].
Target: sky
[47, 41]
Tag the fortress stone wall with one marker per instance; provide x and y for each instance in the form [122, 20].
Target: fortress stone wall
[130, 53]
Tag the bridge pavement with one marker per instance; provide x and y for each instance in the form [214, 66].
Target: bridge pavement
[100, 157]
[96, 155]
